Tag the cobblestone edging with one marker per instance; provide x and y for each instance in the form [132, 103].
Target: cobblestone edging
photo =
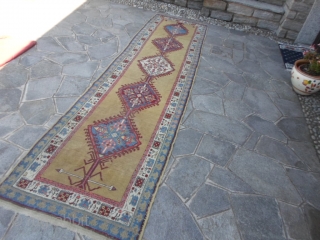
[194, 14]
[311, 109]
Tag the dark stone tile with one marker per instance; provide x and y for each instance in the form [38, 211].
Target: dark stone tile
[234, 91]
[213, 75]
[104, 50]
[215, 150]
[307, 153]
[279, 151]
[261, 103]
[186, 142]
[260, 81]
[176, 221]
[265, 128]
[27, 136]
[264, 175]
[25, 228]
[10, 123]
[294, 222]
[45, 69]
[277, 71]
[37, 112]
[289, 108]
[72, 86]
[220, 226]
[35, 89]
[84, 69]
[48, 44]
[189, 174]
[9, 99]
[8, 154]
[71, 44]
[16, 77]
[250, 66]
[5, 220]
[237, 109]
[67, 58]
[284, 90]
[203, 86]
[313, 219]
[236, 78]
[209, 200]
[257, 217]
[307, 185]
[83, 28]
[90, 40]
[208, 103]
[252, 141]
[229, 180]
[295, 128]
[225, 128]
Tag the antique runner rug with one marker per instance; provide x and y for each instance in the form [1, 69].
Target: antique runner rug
[100, 165]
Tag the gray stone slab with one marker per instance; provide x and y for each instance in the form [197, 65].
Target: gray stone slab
[215, 150]
[276, 71]
[307, 185]
[29, 228]
[83, 69]
[176, 221]
[27, 136]
[224, 66]
[220, 226]
[48, 44]
[70, 44]
[72, 86]
[42, 88]
[234, 91]
[264, 175]
[214, 30]
[280, 152]
[29, 60]
[237, 55]
[238, 78]
[88, 40]
[16, 77]
[250, 66]
[307, 153]
[67, 58]
[257, 217]
[103, 34]
[312, 216]
[10, 123]
[186, 142]
[252, 141]
[103, 50]
[265, 128]
[258, 80]
[37, 112]
[225, 128]
[261, 103]
[83, 28]
[53, 120]
[208, 103]
[284, 91]
[229, 180]
[8, 155]
[213, 75]
[294, 222]
[187, 111]
[5, 220]
[45, 69]
[295, 128]
[189, 174]
[203, 86]
[100, 22]
[63, 104]
[9, 99]
[289, 108]
[209, 200]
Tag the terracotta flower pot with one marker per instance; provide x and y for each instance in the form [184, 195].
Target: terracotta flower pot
[302, 82]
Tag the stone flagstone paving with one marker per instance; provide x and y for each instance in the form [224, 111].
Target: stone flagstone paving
[243, 165]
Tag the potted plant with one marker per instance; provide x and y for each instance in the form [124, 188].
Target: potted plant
[305, 75]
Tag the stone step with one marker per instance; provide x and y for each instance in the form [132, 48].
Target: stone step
[260, 5]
